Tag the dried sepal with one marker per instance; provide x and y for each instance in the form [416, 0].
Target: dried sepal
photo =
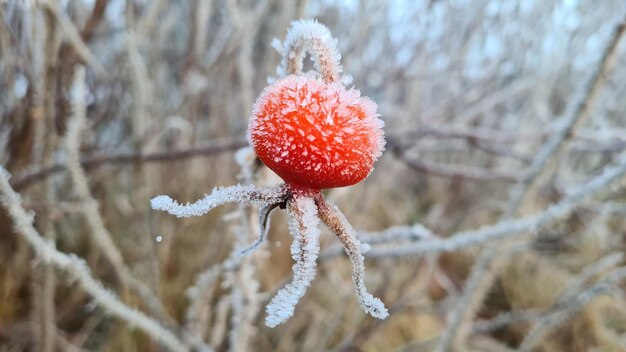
[219, 196]
[303, 221]
[264, 225]
[332, 217]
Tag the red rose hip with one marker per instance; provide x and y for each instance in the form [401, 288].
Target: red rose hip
[316, 134]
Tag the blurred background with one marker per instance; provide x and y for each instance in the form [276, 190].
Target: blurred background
[473, 94]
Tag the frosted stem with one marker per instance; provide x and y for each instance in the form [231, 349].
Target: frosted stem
[313, 37]
[337, 223]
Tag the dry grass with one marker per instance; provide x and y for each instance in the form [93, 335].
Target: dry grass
[497, 112]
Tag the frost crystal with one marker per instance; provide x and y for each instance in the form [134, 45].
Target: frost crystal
[304, 250]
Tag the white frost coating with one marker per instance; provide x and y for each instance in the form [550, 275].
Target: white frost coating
[314, 37]
[304, 249]
[353, 247]
[219, 196]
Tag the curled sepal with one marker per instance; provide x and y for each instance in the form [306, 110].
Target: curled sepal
[264, 225]
[303, 220]
[234, 194]
[332, 217]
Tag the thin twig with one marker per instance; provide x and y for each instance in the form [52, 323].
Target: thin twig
[28, 177]
[74, 36]
[564, 309]
[461, 171]
[98, 232]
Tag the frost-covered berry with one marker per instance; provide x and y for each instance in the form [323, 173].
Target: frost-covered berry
[316, 134]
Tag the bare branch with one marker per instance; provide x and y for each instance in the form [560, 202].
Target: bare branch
[30, 176]
[461, 171]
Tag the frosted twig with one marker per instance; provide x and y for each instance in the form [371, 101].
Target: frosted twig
[43, 315]
[142, 93]
[74, 37]
[198, 313]
[98, 231]
[240, 277]
[332, 217]
[462, 171]
[141, 85]
[398, 233]
[78, 270]
[499, 321]
[575, 285]
[219, 329]
[496, 136]
[26, 178]
[44, 48]
[315, 38]
[480, 134]
[566, 309]
[245, 301]
[303, 220]
[219, 196]
[246, 305]
[95, 222]
[510, 228]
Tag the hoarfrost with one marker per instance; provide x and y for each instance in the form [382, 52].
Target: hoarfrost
[337, 222]
[311, 36]
[304, 250]
[219, 196]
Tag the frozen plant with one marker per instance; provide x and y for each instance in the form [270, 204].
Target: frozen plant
[315, 134]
